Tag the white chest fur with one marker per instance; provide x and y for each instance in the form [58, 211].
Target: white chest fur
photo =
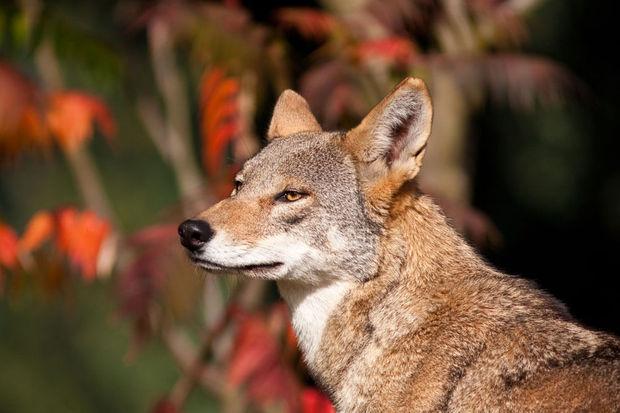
[311, 306]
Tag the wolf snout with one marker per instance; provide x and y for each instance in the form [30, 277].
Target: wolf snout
[195, 233]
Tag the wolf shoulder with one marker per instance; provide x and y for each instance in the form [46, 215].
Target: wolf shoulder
[489, 342]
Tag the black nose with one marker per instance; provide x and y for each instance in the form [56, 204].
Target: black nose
[195, 233]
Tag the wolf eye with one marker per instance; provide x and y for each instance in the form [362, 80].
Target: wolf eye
[290, 196]
[236, 186]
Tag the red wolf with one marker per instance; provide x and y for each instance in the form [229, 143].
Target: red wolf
[394, 311]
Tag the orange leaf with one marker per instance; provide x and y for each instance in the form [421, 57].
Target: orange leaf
[65, 235]
[216, 145]
[80, 236]
[39, 229]
[224, 111]
[208, 83]
[219, 117]
[8, 246]
[72, 115]
[33, 125]
[224, 90]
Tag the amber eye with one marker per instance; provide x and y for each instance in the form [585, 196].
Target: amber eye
[291, 196]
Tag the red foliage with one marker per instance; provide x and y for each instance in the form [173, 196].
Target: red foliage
[8, 249]
[72, 115]
[39, 229]
[141, 281]
[310, 23]
[313, 401]
[219, 124]
[21, 123]
[164, 406]
[80, 236]
[8, 246]
[28, 117]
[259, 362]
[396, 50]
[143, 278]
[256, 362]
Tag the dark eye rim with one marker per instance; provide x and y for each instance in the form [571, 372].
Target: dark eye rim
[281, 197]
[237, 184]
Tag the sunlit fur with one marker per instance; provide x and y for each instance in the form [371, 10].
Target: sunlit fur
[326, 235]
[394, 311]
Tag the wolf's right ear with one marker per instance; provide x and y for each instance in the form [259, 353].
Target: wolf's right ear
[391, 140]
[291, 115]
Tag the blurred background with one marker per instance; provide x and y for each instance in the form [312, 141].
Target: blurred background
[120, 118]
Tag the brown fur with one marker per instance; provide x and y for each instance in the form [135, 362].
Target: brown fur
[439, 330]
[395, 312]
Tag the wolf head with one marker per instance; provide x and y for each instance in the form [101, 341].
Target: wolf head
[311, 205]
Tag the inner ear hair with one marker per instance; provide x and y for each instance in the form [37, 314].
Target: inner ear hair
[393, 136]
[399, 131]
[404, 124]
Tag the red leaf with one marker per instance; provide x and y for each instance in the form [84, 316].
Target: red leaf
[8, 246]
[217, 144]
[72, 115]
[219, 125]
[256, 362]
[310, 23]
[28, 118]
[140, 282]
[313, 401]
[39, 229]
[164, 406]
[255, 349]
[80, 236]
[208, 84]
[398, 50]
[21, 123]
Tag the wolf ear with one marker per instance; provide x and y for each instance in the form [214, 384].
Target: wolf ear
[393, 136]
[291, 115]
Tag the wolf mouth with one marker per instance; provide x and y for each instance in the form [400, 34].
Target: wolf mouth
[210, 265]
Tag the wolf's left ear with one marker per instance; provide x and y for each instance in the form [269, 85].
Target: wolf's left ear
[393, 136]
[291, 115]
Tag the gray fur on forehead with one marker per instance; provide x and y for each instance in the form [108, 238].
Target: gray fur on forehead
[315, 157]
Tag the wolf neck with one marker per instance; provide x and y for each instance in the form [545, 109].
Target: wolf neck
[311, 306]
[420, 247]
[419, 251]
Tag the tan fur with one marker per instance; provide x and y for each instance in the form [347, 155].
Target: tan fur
[438, 330]
[238, 218]
[291, 115]
[395, 312]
